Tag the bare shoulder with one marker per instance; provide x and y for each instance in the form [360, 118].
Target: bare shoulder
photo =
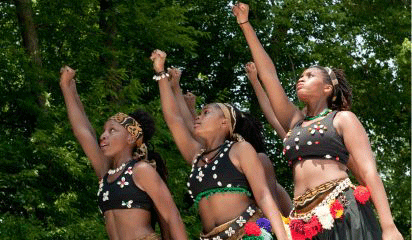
[344, 120]
[239, 147]
[345, 117]
[143, 169]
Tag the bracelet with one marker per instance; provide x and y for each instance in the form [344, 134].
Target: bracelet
[160, 75]
[243, 22]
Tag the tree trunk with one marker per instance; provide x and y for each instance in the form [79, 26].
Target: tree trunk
[28, 30]
[108, 25]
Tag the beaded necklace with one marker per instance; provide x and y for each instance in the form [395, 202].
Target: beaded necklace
[116, 170]
[208, 160]
[323, 113]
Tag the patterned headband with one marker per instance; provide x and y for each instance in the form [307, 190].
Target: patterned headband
[332, 76]
[334, 80]
[229, 113]
[131, 125]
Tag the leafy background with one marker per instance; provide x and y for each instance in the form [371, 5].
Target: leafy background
[47, 186]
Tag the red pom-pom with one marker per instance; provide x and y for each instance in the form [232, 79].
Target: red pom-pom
[312, 228]
[362, 194]
[336, 209]
[297, 229]
[252, 229]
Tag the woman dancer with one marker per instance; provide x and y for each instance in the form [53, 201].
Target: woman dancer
[131, 189]
[318, 145]
[186, 105]
[225, 171]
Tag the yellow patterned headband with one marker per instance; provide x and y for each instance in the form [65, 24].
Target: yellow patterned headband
[131, 125]
[229, 113]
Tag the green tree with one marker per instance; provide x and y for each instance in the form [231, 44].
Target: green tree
[47, 186]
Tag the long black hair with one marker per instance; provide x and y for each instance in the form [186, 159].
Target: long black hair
[250, 129]
[148, 126]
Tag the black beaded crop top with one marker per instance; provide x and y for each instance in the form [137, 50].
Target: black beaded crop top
[218, 176]
[123, 192]
[319, 140]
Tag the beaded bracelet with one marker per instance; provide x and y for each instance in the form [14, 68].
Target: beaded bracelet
[160, 75]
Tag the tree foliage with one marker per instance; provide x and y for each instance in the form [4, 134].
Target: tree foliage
[47, 186]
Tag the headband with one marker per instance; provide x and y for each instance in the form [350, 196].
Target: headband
[334, 80]
[131, 125]
[332, 76]
[134, 128]
[229, 113]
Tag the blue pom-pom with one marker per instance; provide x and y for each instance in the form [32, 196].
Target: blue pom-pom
[264, 223]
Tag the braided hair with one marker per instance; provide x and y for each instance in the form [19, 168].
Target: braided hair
[341, 98]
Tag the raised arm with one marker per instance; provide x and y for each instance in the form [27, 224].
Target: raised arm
[263, 99]
[357, 143]
[187, 145]
[81, 126]
[287, 113]
[246, 156]
[146, 177]
[184, 110]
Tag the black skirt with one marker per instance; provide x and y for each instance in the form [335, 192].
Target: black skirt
[358, 223]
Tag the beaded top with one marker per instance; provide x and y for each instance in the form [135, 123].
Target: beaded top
[220, 175]
[319, 140]
[123, 192]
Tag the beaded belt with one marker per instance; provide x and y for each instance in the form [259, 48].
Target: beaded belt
[228, 230]
[343, 185]
[312, 193]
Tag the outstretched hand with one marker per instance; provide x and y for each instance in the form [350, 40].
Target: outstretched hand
[159, 58]
[241, 12]
[66, 76]
[175, 74]
[251, 71]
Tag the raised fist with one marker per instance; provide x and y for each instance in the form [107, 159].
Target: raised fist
[241, 12]
[158, 57]
[66, 75]
[175, 74]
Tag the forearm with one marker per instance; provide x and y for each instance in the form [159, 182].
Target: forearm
[267, 108]
[176, 228]
[168, 101]
[280, 103]
[379, 199]
[271, 211]
[184, 109]
[75, 111]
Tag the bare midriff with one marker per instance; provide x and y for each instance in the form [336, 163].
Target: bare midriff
[127, 223]
[220, 208]
[311, 173]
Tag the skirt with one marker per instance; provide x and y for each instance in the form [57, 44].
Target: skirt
[249, 224]
[340, 212]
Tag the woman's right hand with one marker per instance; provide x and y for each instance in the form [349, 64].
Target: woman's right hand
[241, 12]
[67, 76]
[159, 58]
[251, 71]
